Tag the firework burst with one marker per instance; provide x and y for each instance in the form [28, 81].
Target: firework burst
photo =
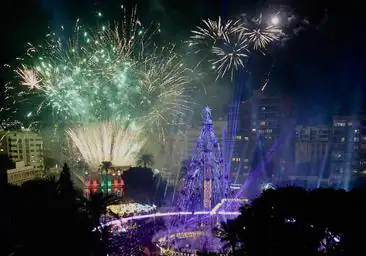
[29, 77]
[260, 34]
[113, 73]
[213, 31]
[118, 143]
[230, 42]
[231, 55]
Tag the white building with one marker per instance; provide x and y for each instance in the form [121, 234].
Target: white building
[22, 173]
[23, 145]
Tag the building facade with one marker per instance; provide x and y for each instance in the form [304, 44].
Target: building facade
[347, 158]
[312, 148]
[23, 145]
[266, 121]
[22, 173]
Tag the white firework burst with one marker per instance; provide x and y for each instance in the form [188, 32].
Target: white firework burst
[231, 55]
[29, 77]
[260, 34]
[213, 31]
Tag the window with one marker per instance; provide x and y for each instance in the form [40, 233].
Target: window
[263, 108]
[350, 123]
[269, 131]
[356, 139]
[236, 159]
[263, 123]
[238, 137]
[339, 124]
[357, 131]
[342, 139]
[246, 138]
[246, 160]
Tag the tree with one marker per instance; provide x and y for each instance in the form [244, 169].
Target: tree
[206, 181]
[97, 204]
[145, 160]
[52, 219]
[227, 232]
[142, 185]
[290, 221]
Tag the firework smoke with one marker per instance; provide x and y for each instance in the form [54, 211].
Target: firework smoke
[118, 143]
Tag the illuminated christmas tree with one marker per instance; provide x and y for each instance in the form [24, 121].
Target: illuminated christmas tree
[206, 181]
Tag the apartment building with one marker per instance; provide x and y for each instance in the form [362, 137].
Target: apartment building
[23, 145]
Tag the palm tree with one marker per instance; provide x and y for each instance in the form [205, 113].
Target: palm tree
[146, 160]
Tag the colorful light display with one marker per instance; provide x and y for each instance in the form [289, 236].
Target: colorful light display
[206, 175]
[131, 208]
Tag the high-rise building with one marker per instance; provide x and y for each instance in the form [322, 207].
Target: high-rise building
[23, 145]
[263, 118]
[312, 147]
[347, 149]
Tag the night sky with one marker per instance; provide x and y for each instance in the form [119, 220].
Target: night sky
[321, 68]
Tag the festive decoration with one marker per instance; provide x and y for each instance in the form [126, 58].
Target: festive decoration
[131, 208]
[206, 182]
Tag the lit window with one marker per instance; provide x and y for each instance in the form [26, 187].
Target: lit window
[253, 130]
[238, 137]
[263, 123]
[349, 123]
[236, 159]
[246, 167]
[342, 139]
[246, 160]
[357, 131]
[247, 138]
[263, 108]
[339, 124]
[269, 131]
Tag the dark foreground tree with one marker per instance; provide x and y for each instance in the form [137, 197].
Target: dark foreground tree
[49, 219]
[96, 206]
[293, 221]
[142, 185]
